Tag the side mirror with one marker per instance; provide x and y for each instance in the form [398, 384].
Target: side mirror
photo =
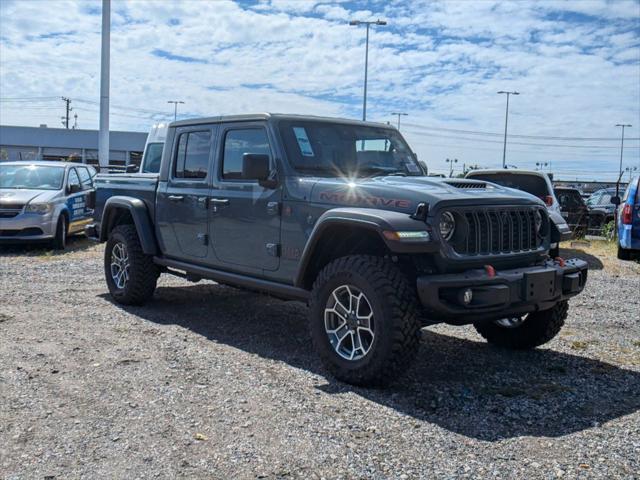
[256, 166]
[74, 188]
[615, 200]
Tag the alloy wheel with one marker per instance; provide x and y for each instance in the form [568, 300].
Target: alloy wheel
[349, 322]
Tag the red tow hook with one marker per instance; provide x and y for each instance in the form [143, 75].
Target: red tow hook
[560, 261]
[491, 272]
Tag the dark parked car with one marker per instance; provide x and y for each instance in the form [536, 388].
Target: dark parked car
[339, 214]
[573, 209]
[601, 209]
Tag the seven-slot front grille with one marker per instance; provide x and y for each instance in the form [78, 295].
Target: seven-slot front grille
[493, 231]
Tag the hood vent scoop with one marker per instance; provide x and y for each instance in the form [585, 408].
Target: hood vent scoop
[467, 185]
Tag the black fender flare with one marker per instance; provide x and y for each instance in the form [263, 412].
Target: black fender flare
[371, 219]
[141, 220]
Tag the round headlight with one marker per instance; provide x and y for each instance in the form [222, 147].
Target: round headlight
[447, 225]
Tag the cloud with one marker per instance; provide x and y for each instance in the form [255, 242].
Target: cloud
[576, 63]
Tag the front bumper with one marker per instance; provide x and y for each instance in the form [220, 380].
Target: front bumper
[27, 226]
[508, 293]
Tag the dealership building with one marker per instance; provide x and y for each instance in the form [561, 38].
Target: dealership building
[70, 145]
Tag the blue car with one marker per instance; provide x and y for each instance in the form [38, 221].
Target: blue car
[629, 221]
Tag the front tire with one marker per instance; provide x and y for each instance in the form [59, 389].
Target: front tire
[535, 329]
[59, 242]
[364, 323]
[131, 274]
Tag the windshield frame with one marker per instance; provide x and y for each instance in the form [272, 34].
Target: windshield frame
[18, 166]
[371, 170]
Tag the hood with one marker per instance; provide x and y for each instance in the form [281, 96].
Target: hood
[404, 193]
[23, 196]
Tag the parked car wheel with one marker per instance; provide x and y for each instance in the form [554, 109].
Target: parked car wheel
[623, 253]
[364, 322]
[131, 275]
[59, 242]
[527, 332]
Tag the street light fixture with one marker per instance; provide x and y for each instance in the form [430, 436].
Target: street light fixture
[356, 23]
[506, 120]
[175, 110]
[451, 161]
[399, 114]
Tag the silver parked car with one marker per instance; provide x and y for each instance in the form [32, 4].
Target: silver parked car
[44, 200]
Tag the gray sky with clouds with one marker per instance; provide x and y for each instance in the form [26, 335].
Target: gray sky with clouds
[576, 63]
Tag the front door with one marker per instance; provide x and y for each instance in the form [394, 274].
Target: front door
[245, 226]
[182, 206]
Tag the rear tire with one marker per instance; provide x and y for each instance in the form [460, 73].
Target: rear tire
[131, 274]
[537, 329]
[376, 285]
[59, 242]
[623, 253]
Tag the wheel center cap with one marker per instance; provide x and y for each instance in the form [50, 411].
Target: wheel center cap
[352, 321]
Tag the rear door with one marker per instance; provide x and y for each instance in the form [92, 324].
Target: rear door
[245, 225]
[182, 205]
[76, 202]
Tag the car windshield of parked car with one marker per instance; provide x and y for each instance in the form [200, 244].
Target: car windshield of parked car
[532, 184]
[36, 177]
[569, 198]
[343, 150]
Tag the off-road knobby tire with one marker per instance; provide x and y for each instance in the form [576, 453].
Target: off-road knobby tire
[537, 329]
[394, 305]
[624, 254]
[59, 241]
[143, 273]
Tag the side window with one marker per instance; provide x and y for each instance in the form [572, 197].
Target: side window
[192, 156]
[85, 178]
[239, 142]
[73, 178]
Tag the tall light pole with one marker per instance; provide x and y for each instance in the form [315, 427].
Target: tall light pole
[623, 125]
[103, 137]
[175, 109]
[506, 120]
[399, 114]
[366, 58]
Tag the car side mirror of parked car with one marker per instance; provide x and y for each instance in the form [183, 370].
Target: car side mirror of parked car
[256, 166]
[615, 200]
[74, 188]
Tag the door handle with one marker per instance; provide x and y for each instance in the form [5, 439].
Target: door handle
[220, 201]
[202, 201]
[175, 198]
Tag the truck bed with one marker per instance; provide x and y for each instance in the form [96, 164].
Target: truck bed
[138, 185]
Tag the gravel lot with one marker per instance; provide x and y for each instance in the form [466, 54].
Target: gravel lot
[212, 382]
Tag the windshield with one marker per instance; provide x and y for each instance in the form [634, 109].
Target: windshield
[152, 157]
[335, 149]
[31, 176]
[532, 184]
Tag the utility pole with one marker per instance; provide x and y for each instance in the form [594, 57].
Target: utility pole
[451, 161]
[506, 121]
[623, 125]
[75, 121]
[67, 101]
[366, 58]
[103, 137]
[175, 110]
[399, 114]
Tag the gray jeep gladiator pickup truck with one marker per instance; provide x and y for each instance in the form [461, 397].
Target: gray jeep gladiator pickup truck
[339, 214]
